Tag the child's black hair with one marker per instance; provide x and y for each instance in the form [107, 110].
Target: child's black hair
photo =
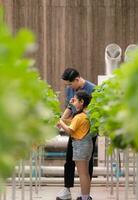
[70, 74]
[83, 95]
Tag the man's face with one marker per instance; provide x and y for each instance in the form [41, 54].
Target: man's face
[73, 84]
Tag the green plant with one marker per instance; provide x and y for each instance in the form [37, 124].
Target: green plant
[129, 115]
[28, 106]
[114, 109]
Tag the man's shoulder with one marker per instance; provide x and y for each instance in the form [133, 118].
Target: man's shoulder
[89, 86]
[90, 83]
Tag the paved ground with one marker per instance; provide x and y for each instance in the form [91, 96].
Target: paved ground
[49, 193]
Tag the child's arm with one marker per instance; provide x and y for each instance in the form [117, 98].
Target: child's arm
[65, 127]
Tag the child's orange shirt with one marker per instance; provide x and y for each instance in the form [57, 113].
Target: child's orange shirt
[80, 126]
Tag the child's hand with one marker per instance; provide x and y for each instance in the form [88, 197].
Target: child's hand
[58, 125]
[60, 121]
[72, 100]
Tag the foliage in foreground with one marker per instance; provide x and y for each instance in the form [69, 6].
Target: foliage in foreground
[28, 106]
[114, 107]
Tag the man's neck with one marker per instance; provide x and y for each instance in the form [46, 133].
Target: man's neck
[81, 83]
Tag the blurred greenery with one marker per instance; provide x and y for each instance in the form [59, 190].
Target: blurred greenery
[29, 107]
[114, 107]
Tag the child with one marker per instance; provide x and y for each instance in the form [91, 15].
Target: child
[82, 142]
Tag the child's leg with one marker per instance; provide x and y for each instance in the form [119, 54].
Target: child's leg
[82, 167]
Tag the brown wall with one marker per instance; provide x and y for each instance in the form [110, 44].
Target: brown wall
[74, 32]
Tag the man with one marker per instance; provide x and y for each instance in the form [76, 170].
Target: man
[74, 82]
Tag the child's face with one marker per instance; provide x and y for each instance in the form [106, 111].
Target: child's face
[77, 103]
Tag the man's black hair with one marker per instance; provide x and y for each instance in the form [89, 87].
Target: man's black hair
[70, 74]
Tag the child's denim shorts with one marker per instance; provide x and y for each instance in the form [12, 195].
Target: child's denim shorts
[82, 149]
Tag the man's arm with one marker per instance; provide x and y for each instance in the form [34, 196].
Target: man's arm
[69, 111]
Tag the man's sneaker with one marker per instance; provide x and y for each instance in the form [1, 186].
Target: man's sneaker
[64, 194]
[80, 198]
